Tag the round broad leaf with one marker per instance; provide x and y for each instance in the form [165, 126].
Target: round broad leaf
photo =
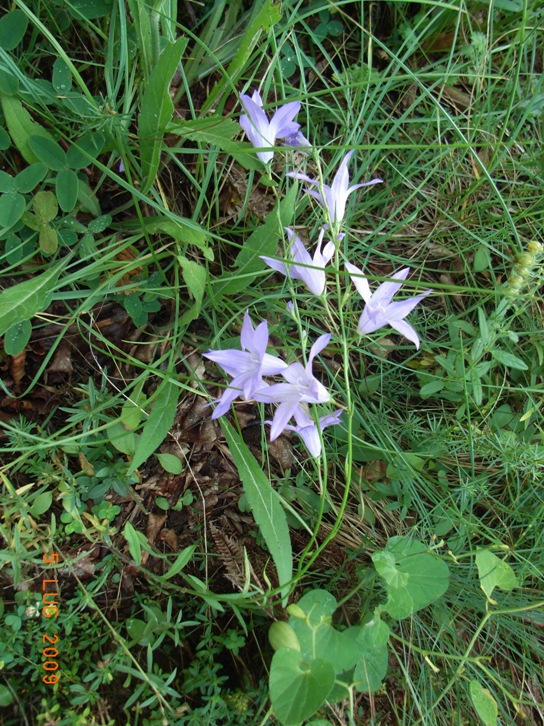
[83, 152]
[17, 337]
[12, 29]
[7, 183]
[48, 240]
[298, 689]
[12, 207]
[67, 187]
[45, 207]
[48, 151]
[484, 703]
[371, 669]
[414, 577]
[14, 249]
[6, 696]
[494, 572]
[170, 463]
[41, 504]
[319, 606]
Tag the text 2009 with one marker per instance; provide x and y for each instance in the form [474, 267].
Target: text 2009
[50, 601]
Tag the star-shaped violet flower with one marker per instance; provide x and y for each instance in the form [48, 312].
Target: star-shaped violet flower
[247, 367]
[308, 430]
[380, 310]
[301, 387]
[333, 198]
[313, 272]
[262, 132]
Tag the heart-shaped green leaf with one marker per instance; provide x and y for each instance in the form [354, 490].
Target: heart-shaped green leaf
[298, 688]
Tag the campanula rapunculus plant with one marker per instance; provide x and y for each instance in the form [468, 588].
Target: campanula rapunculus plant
[308, 430]
[311, 270]
[301, 387]
[248, 366]
[333, 198]
[262, 132]
[380, 310]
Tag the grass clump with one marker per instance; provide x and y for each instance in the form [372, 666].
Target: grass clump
[357, 537]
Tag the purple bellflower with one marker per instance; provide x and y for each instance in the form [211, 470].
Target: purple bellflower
[247, 367]
[301, 387]
[308, 430]
[334, 198]
[262, 132]
[380, 310]
[313, 272]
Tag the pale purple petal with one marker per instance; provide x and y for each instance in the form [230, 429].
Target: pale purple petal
[380, 310]
[317, 347]
[223, 404]
[384, 294]
[308, 430]
[246, 334]
[399, 310]
[296, 139]
[281, 418]
[360, 281]
[260, 340]
[371, 320]
[294, 374]
[271, 365]
[232, 361]
[277, 265]
[405, 329]
[301, 177]
[282, 123]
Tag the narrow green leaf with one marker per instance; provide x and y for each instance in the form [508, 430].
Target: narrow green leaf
[509, 360]
[181, 560]
[23, 301]
[17, 336]
[156, 111]
[263, 241]
[195, 276]
[22, 127]
[265, 505]
[264, 16]
[484, 703]
[87, 199]
[158, 424]
[135, 540]
[212, 131]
